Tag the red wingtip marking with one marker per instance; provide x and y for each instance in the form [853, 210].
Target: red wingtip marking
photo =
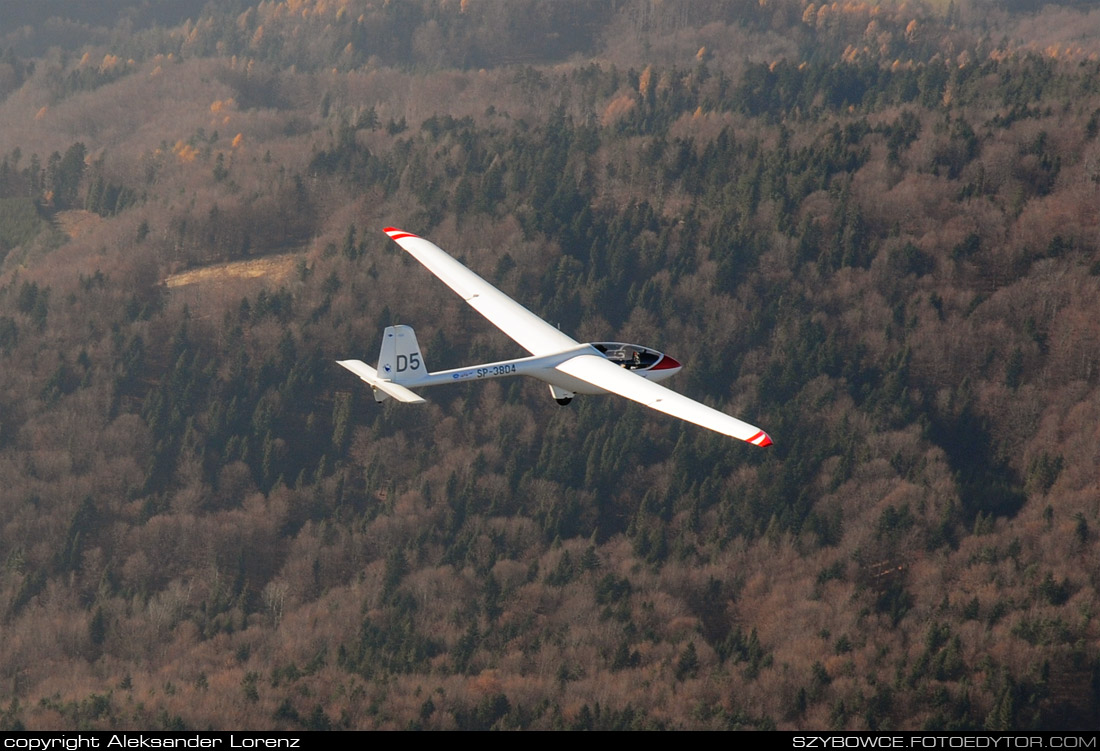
[760, 439]
[666, 363]
[397, 234]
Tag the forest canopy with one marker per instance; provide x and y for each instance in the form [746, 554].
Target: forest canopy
[867, 227]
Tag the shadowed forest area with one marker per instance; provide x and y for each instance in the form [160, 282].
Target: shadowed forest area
[870, 228]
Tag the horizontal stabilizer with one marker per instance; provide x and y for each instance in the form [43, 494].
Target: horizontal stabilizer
[389, 388]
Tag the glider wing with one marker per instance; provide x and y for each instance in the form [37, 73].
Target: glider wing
[524, 327]
[617, 380]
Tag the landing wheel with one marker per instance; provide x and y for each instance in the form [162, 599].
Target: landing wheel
[564, 401]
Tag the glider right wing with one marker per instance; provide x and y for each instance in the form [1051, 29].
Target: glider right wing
[610, 377]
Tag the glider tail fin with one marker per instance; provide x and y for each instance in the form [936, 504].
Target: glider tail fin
[400, 360]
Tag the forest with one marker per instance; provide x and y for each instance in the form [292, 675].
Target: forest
[870, 228]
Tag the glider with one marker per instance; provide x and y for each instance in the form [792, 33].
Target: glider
[568, 366]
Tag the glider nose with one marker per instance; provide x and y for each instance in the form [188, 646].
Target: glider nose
[667, 363]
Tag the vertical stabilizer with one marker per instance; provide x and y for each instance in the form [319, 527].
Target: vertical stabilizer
[400, 360]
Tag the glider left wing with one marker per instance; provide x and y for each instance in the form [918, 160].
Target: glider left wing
[610, 377]
[524, 327]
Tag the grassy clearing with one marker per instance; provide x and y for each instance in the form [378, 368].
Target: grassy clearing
[274, 268]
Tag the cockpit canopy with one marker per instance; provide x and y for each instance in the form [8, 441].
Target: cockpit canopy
[630, 356]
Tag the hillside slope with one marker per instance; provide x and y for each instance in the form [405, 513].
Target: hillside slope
[869, 228]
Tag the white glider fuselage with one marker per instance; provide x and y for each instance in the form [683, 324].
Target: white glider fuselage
[545, 368]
